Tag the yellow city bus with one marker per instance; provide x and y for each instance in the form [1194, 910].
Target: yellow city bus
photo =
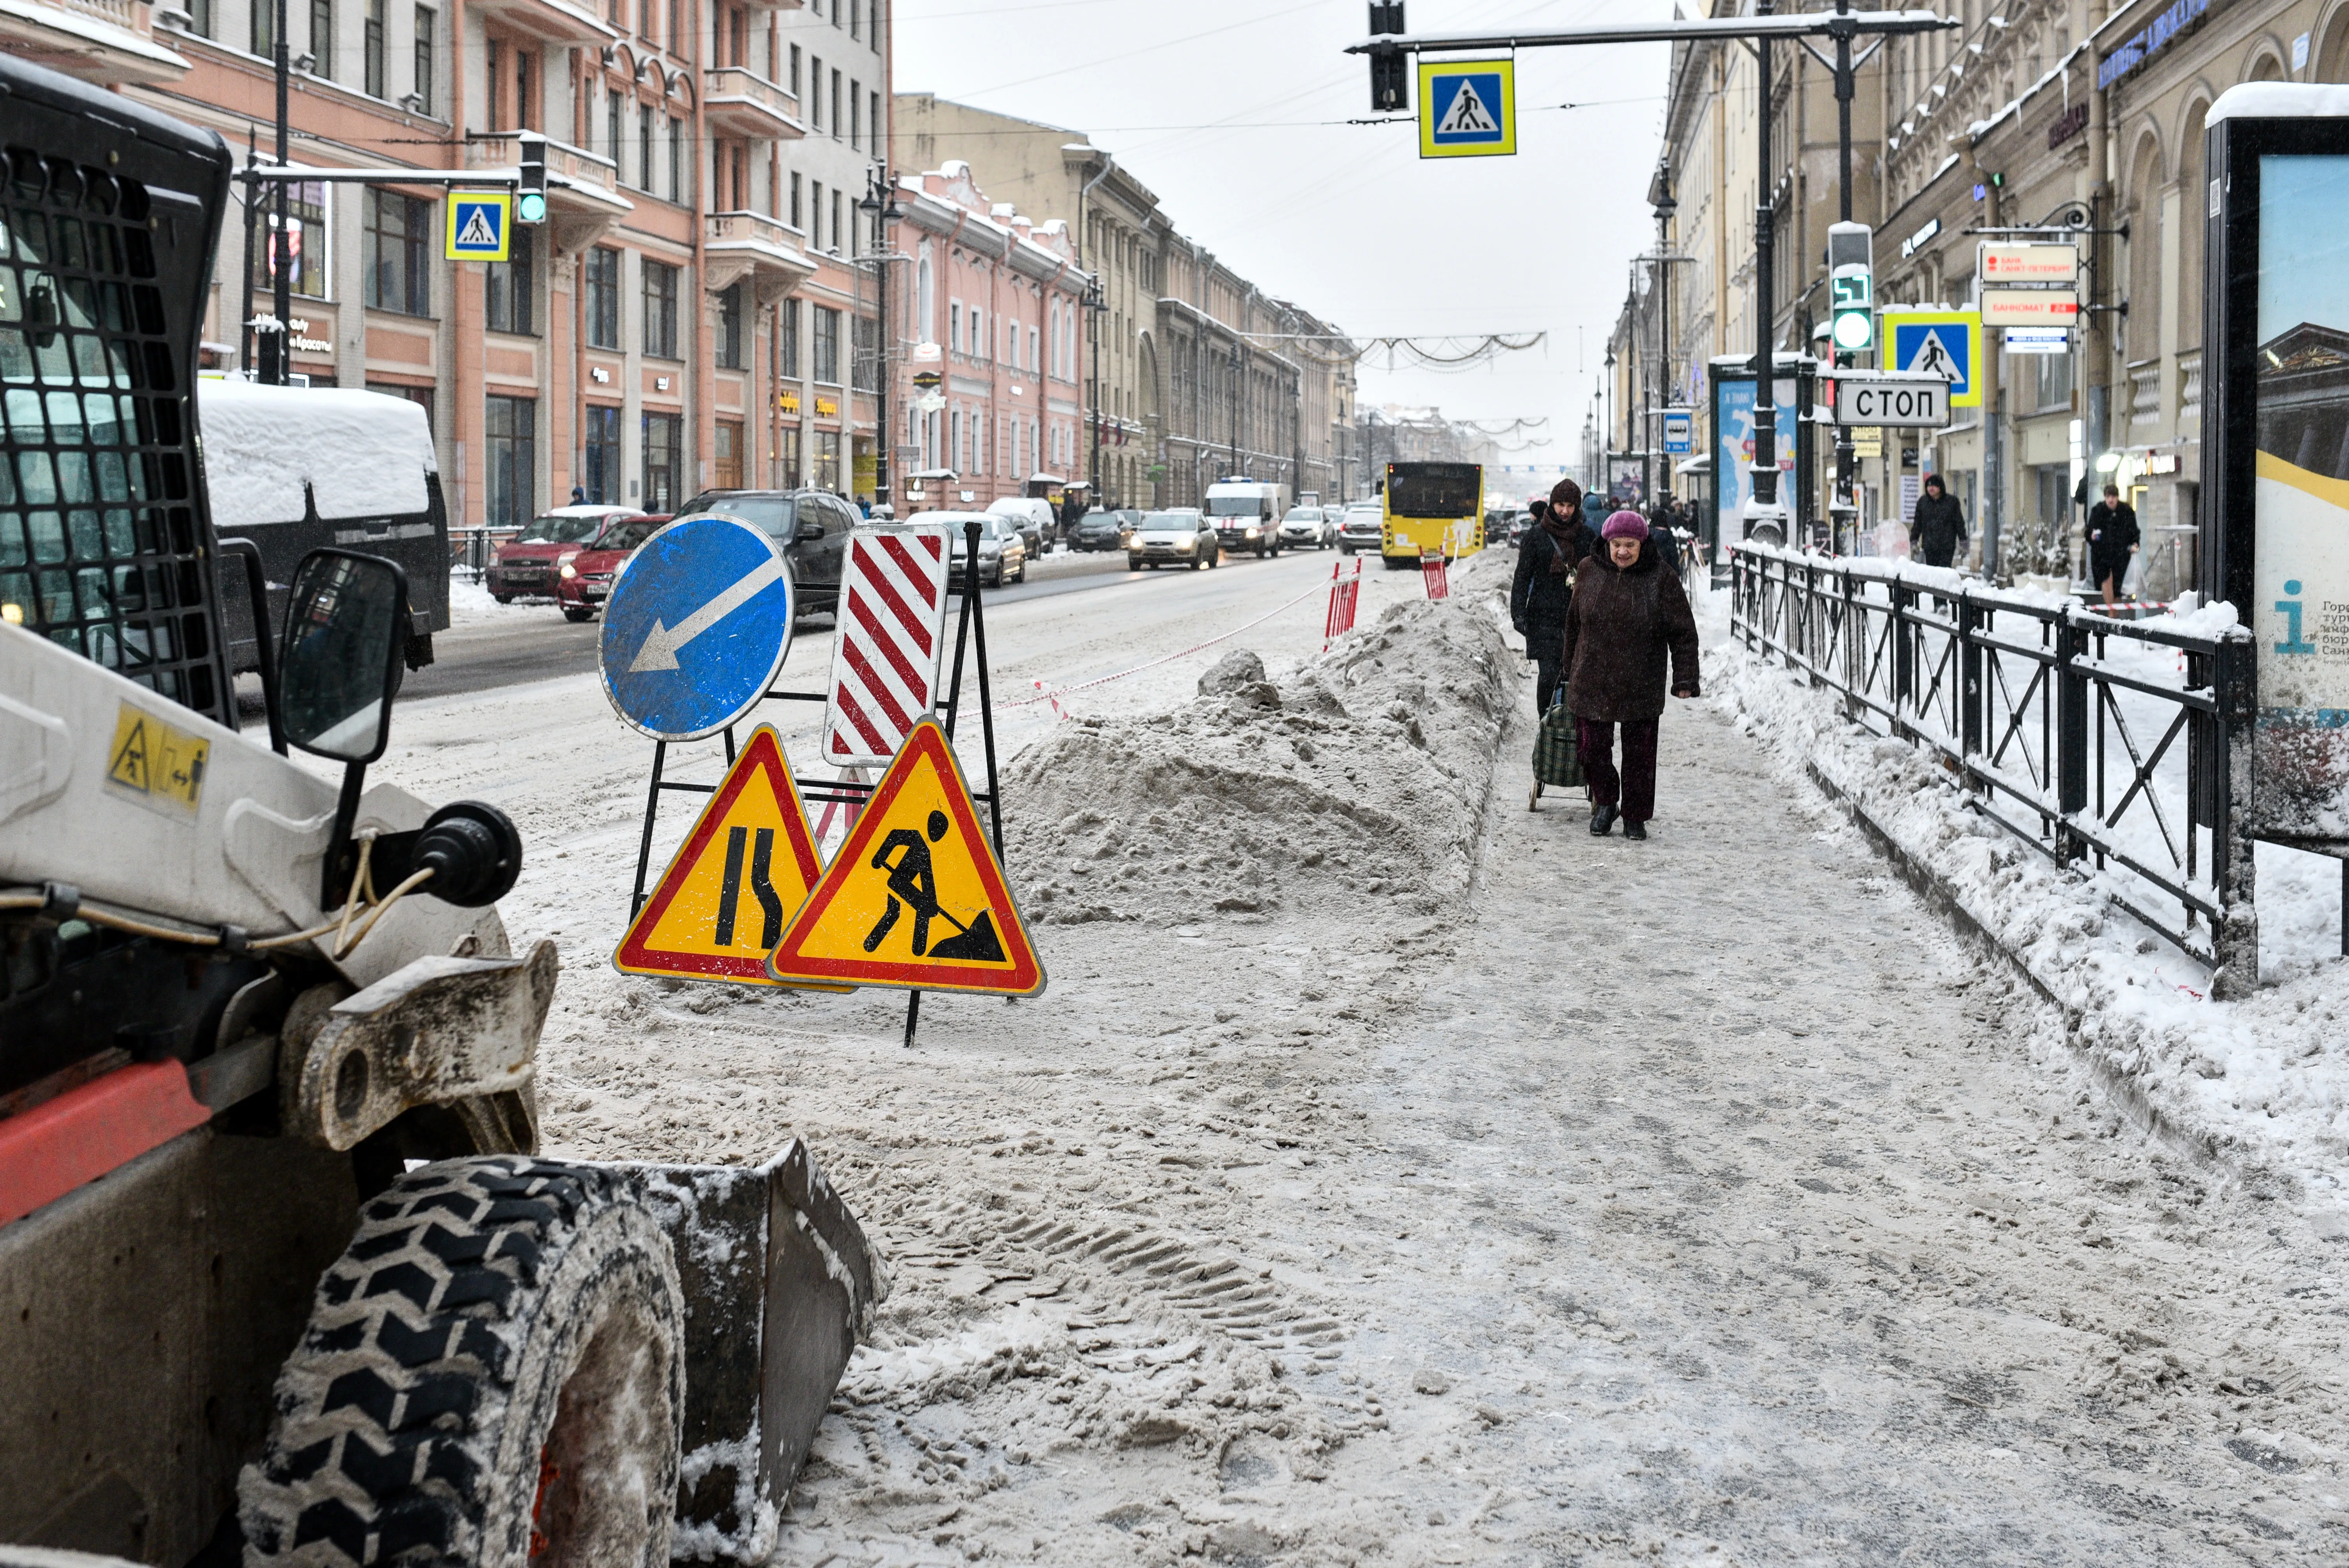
[1431, 508]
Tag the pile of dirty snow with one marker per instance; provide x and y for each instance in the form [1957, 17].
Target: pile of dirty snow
[1361, 776]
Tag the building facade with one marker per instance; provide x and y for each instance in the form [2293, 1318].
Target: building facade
[686, 316]
[1191, 371]
[1000, 301]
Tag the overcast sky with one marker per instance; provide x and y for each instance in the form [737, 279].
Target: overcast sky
[1224, 107]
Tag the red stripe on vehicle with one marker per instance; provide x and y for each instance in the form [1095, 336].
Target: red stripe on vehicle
[47, 1151]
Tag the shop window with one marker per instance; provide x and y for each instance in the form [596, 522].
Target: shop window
[787, 340]
[787, 461]
[306, 234]
[827, 345]
[602, 455]
[511, 434]
[728, 351]
[826, 474]
[662, 437]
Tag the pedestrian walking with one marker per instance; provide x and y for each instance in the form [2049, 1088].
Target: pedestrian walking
[1937, 530]
[2112, 539]
[1544, 585]
[1629, 634]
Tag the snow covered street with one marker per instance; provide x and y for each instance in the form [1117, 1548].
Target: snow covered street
[1392, 1175]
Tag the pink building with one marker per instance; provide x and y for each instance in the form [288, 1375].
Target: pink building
[1002, 300]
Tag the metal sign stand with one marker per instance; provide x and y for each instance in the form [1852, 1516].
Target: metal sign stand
[970, 635]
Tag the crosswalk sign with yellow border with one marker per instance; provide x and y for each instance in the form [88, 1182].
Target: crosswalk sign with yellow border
[747, 864]
[1467, 108]
[1947, 342]
[916, 897]
[480, 226]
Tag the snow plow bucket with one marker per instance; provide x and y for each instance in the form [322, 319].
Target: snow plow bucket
[780, 1285]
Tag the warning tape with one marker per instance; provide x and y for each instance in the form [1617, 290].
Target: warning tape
[1051, 696]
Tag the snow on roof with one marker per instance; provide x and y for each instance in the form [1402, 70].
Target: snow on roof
[2279, 100]
[362, 454]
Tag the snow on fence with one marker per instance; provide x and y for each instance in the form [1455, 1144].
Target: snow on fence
[2122, 743]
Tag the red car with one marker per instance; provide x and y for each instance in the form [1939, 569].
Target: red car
[525, 565]
[584, 575]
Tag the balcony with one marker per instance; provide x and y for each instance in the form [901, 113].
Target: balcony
[2145, 400]
[583, 199]
[750, 245]
[2189, 389]
[737, 102]
[108, 42]
[551, 21]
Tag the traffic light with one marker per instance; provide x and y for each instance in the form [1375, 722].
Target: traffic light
[1851, 284]
[530, 191]
[1390, 75]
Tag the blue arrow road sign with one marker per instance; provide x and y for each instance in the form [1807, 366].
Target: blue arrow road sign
[697, 626]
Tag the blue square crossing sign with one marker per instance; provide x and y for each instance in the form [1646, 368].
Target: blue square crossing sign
[479, 225]
[1467, 108]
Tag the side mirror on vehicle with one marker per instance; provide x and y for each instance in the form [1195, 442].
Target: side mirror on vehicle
[808, 533]
[346, 639]
[339, 662]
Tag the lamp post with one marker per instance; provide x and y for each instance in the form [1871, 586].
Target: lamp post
[1664, 208]
[1606, 429]
[880, 207]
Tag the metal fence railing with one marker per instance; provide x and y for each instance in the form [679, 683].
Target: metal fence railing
[2121, 744]
[470, 547]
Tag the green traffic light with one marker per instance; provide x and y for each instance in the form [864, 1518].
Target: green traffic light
[530, 207]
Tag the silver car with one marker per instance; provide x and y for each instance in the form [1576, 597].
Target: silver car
[1313, 527]
[1363, 528]
[1178, 537]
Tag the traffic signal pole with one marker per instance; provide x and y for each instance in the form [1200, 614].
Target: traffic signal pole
[1389, 43]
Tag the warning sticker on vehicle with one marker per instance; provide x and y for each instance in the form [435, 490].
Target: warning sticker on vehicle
[155, 764]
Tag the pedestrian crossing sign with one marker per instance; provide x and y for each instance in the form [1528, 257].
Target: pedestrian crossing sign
[746, 863]
[1941, 343]
[479, 225]
[1467, 108]
[916, 897]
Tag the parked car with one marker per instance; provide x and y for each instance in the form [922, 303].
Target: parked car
[1311, 527]
[1361, 526]
[811, 525]
[1181, 536]
[1034, 513]
[583, 578]
[1002, 549]
[1104, 527]
[526, 563]
[1519, 526]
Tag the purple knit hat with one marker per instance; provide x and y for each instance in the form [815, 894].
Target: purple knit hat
[1625, 525]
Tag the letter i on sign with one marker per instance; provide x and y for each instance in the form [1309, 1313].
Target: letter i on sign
[747, 864]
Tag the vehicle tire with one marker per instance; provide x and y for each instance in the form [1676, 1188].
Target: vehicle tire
[493, 1373]
[1134, 563]
[1197, 561]
[576, 616]
[503, 598]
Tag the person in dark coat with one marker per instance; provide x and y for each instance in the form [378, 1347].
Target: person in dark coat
[1544, 585]
[1629, 634]
[2112, 539]
[1937, 530]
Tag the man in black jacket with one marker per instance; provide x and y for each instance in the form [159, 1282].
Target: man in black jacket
[1937, 531]
[1543, 587]
[2112, 539]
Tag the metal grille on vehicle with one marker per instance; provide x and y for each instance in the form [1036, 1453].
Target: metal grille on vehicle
[102, 546]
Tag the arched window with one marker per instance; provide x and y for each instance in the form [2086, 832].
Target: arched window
[2332, 56]
[2144, 337]
[2193, 206]
[926, 296]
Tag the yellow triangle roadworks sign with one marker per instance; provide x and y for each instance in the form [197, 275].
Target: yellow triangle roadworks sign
[746, 865]
[916, 897]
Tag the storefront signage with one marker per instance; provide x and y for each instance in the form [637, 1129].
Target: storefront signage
[2030, 307]
[2025, 263]
[2037, 339]
[788, 402]
[296, 330]
[1909, 245]
[2157, 36]
[825, 408]
[2067, 125]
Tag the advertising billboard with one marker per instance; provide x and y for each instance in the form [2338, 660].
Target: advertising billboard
[1733, 448]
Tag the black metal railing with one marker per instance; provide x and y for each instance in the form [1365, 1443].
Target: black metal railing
[2109, 743]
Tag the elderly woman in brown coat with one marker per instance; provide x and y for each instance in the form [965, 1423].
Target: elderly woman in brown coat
[1628, 632]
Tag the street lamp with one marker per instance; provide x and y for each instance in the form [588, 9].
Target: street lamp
[880, 209]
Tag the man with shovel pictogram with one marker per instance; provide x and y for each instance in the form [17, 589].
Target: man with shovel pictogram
[914, 881]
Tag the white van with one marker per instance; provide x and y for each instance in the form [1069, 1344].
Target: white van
[1037, 521]
[1247, 515]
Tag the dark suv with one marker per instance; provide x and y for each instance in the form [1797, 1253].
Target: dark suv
[811, 525]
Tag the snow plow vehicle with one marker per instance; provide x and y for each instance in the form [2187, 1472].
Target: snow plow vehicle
[282, 1279]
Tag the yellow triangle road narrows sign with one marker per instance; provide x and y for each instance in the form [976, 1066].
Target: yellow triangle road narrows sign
[916, 897]
[746, 865]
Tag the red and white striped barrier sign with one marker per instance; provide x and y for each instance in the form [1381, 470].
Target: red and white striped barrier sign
[1431, 572]
[1344, 593]
[884, 661]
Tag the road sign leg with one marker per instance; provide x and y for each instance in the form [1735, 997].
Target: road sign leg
[912, 1016]
[652, 805]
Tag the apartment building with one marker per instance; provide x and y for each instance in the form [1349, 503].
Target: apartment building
[1001, 300]
[1187, 360]
[687, 314]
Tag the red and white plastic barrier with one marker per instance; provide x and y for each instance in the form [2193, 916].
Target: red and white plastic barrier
[1433, 571]
[1345, 594]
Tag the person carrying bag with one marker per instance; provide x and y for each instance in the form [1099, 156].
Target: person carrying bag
[1557, 751]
